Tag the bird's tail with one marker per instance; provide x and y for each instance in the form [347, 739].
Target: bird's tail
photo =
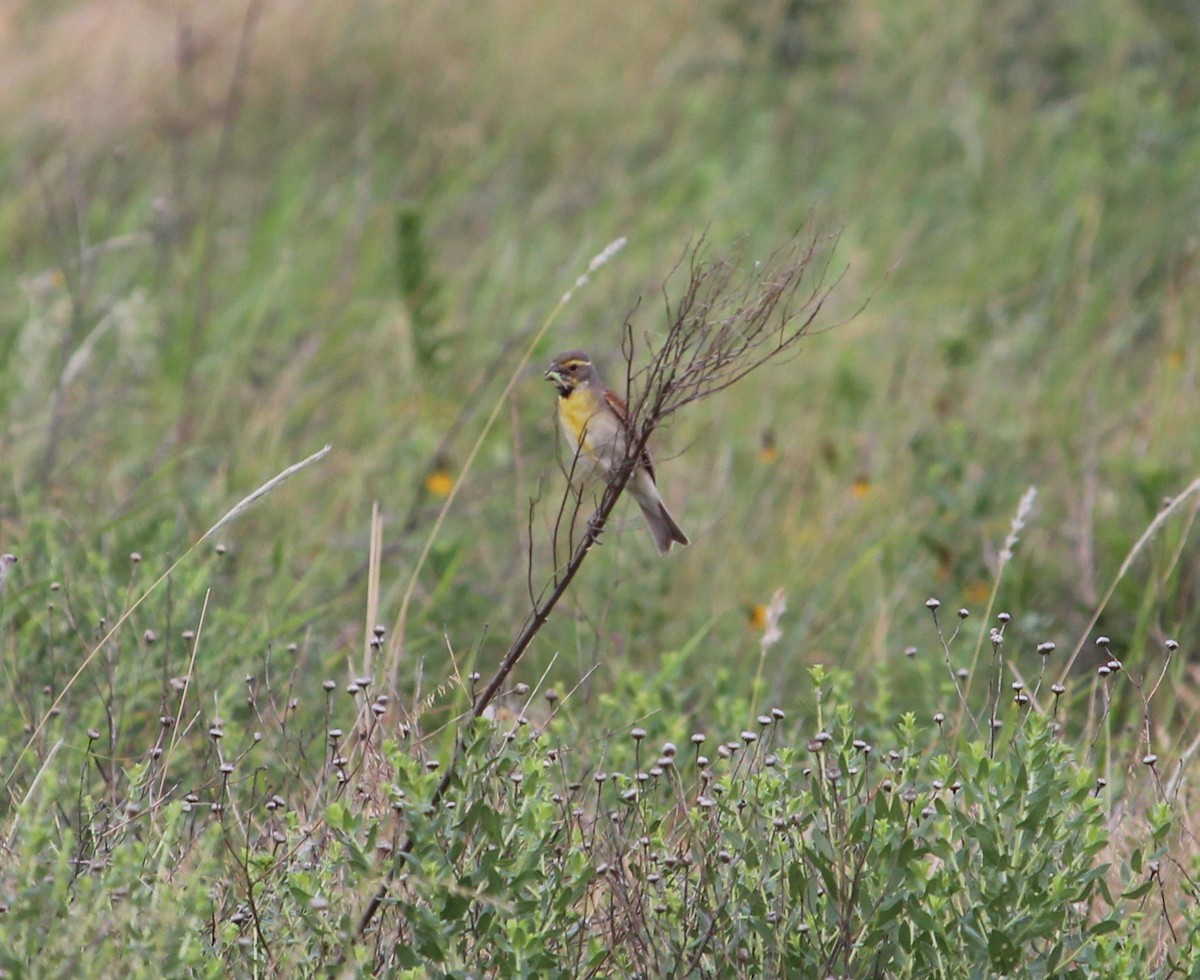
[662, 525]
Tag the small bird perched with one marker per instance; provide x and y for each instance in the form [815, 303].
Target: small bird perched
[596, 422]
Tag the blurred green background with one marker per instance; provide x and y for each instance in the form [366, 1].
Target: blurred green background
[233, 233]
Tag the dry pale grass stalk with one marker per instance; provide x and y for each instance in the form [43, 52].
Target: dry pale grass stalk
[1161, 518]
[1016, 529]
[236, 511]
[374, 559]
[395, 650]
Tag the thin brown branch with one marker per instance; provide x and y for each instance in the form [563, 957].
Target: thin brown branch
[726, 324]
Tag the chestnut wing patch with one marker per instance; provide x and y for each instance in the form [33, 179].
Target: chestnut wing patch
[617, 404]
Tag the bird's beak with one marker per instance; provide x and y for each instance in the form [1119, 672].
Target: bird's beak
[553, 375]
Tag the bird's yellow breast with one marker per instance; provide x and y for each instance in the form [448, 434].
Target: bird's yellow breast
[576, 412]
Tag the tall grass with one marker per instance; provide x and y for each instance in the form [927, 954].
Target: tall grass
[234, 232]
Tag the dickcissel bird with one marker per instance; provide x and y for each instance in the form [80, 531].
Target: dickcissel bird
[596, 422]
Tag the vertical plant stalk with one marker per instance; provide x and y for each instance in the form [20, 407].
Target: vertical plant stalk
[396, 644]
[69, 236]
[202, 307]
[1016, 528]
[725, 325]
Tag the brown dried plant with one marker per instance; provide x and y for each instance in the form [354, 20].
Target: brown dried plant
[728, 321]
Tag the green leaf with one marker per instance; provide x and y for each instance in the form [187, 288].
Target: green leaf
[1140, 891]
[455, 906]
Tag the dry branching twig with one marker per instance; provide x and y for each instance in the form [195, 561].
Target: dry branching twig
[728, 322]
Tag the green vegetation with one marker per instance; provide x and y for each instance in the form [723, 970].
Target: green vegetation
[242, 230]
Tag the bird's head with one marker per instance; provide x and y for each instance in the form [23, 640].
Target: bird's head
[570, 371]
